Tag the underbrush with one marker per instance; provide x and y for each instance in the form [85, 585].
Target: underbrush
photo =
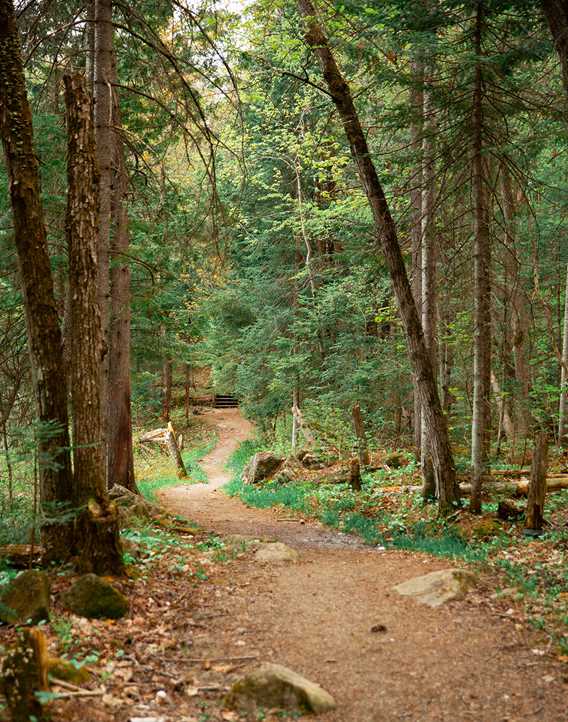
[531, 572]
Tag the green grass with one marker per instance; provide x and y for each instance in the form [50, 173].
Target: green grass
[148, 486]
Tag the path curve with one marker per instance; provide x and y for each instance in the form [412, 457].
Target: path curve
[458, 663]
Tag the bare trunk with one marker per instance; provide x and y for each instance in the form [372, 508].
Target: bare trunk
[44, 334]
[359, 427]
[103, 74]
[556, 13]
[387, 242]
[563, 406]
[174, 451]
[295, 417]
[537, 485]
[187, 391]
[166, 389]
[429, 280]
[97, 540]
[416, 129]
[482, 286]
[120, 458]
[503, 409]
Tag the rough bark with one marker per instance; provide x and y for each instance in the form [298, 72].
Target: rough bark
[537, 485]
[44, 334]
[429, 274]
[556, 13]
[563, 405]
[104, 134]
[416, 130]
[86, 341]
[482, 285]
[359, 427]
[24, 672]
[120, 457]
[175, 452]
[166, 389]
[387, 242]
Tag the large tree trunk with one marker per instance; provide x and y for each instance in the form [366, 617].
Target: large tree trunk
[429, 280]
[563, 405]
[120, 458]
[416, 131]
[44, 334]
[556, 13]
[482, 285]
[104, 134]
[98, 542]
[387, 241]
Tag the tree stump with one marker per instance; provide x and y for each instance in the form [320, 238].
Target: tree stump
[175, 453]
[24, 673]
[355, 475]
[359, 428]
[537, 486]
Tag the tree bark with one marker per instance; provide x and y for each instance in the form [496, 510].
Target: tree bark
[98, 541]
[537, 485]
[387, 241]
[175, 452]
[44, 334]
[429, 274]
[166, 389]
[24, 672]
[563, 405]
[104, 134]
[120, 457]
[416, 131]
[556, 13]
[359, 427]
[482, 285]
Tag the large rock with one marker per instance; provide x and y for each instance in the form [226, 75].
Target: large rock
[262, 466]
[275, 552]
[25, 598]
[437, 588]
[92, 597]
[274, 686]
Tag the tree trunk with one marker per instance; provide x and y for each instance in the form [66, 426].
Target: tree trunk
[120, 458]
[482, 286]
[537, 485]
[387, 241]
[429, 279]
[44, 334]
[187, 391]
[359, 427]
[24, 673]
[416, 130]
[563, 406]
[556, 13]
[103, 74]
[166, 389]
[295, 417]
[97, 540]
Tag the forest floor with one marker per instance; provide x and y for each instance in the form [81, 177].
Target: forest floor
[203, 611]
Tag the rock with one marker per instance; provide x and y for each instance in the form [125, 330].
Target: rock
[437, 588]
[131, 506]
[274, 686]
[92, 597]
[25, 598]
[262, 466]
[63, 669]
[275, 552]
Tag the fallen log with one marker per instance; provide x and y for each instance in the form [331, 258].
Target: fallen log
[514, 488]
[22, 556]
[167, 437]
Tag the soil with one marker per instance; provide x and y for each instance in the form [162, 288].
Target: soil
[468, 660]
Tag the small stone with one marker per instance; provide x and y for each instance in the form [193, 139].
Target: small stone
[274, 686]
[92, 597]
[378, 628]
[275, 552]
[25, 598]
[437, 588]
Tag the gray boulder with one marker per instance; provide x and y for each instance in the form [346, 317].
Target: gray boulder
[437, 588]
[262, 466]
[25, 598]
[92, 597]
[274, 686]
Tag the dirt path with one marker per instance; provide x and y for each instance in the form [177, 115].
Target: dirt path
[465, 661]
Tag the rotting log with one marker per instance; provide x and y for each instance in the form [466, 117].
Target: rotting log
[22, 556]
[24, 672]
[537, 485]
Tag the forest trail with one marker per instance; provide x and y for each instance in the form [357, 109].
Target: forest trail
[464, 661]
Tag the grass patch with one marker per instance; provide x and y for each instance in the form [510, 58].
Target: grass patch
[162, 475]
